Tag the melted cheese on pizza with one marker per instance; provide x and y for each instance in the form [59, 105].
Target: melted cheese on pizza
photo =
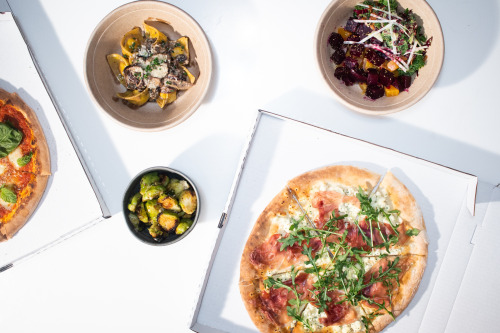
[14, 156]
[312, 314]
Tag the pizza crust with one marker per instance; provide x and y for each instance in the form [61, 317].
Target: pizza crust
[336, 174]
[280, 204]
[403, 200]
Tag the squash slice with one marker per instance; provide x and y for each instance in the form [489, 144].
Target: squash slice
[131, 42]
[117, 63]
[152, 32]
[180, 46]
[190, 76]
[135, 97]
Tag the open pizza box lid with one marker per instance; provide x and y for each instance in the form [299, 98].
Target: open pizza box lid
[71, 201]
[281, 148]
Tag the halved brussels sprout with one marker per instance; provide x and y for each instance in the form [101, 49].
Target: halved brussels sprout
[188, 201]
[168, 221]
[153, 208]
[141, 213]
[176, 186]
[183, 226]
[155, 231]
[149, 179]
[136, 198]
[135, 221]
[131, 42]
[153, 192]
[169, 203]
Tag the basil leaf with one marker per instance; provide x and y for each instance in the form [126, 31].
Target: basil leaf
[10, 138]
[8, 195]
[412, 232]
[22, 161]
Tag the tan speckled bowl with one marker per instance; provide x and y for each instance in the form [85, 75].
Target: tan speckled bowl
[103, 86]
[335, 16]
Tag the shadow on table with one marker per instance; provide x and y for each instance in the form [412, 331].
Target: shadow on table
[75, 106]
[388, 132]
[471, 31]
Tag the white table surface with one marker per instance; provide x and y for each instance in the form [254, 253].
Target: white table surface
[104, 279]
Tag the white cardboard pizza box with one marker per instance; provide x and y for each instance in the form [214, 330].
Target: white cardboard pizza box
[70, 203]
[279, 149]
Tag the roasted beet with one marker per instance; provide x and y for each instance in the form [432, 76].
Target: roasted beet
[385, 77]
[351, 25]
[363, 30]
[375, 41]
[353, 38]
[338, 56]
[348, 80]
[372, 77]
[340, 71]
[351, 62]
[335, 40]
[356, 50]
[375, 91]
[404, 82]
[374, 57]
[358, 75]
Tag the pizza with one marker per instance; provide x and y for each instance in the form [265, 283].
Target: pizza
[339, 249]
[24, 163]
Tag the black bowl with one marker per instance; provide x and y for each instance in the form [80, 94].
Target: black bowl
[134, 187]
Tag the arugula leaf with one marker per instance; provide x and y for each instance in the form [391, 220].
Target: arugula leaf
[22, 161]
[412, 232]
[8, 195]
[10, 138]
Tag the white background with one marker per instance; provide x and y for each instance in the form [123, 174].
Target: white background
[104, 279]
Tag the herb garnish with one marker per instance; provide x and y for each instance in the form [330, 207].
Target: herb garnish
[8, 195]
[343, 270]
[10, 138]
[22, 161]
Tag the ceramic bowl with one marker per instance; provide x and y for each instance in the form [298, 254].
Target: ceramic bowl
[134, 187]
[103, 86]
[335, 16]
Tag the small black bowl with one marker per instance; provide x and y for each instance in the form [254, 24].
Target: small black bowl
[134, 187]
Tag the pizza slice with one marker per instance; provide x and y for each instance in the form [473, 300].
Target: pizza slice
[24, 163]
[390, 283]
[387, 221]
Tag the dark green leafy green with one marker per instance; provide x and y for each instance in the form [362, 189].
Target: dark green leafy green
[10, 138]
[8, 195]
[22, 161]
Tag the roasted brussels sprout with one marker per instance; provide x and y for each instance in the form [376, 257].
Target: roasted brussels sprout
[135, 221]
[188, 201]
[169, 203]
[183, 226]
[134, 201]
[168, 221]
[141, 213]
[153, 208]
[153, 192]
[149, 179]
[155, 231]
[164, 180]
[176, 186]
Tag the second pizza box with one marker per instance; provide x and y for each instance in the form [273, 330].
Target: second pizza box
[279, 149]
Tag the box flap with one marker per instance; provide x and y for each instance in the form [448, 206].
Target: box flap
[475, 305]
[283, 148]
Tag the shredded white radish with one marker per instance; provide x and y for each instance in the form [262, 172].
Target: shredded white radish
[380, 10]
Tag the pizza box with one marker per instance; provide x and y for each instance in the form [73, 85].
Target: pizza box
[71, 201]
[280, 148]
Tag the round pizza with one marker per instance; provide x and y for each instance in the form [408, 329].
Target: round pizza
[24, 163]
[339, 249]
